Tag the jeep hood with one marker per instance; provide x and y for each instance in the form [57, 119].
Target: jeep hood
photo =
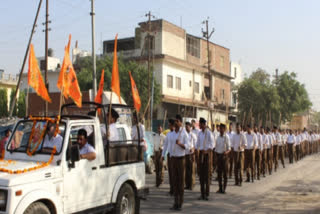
[7, 179]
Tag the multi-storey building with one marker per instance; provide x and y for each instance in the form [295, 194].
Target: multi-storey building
[180, 63]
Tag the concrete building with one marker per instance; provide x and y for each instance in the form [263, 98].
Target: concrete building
[180, 62]
[78, 53]
[236, 74]
[9, 82]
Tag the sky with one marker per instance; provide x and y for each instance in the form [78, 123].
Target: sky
[269, 34]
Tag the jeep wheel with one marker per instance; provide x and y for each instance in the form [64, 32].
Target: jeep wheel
[125, 200]
[37, 207]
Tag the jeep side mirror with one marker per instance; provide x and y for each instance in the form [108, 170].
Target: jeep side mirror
[75, 155]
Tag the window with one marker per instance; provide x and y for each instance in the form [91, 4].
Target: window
[235, 72]
[169, 81]
[178, 83]
[234, 99]
[193, 46]
[222, 94]
[196, 88]
[221, 61]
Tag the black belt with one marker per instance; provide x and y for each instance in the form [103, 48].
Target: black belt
[181, 157]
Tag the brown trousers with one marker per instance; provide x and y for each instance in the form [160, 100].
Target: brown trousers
[257, 163]
[249, 162]
[281, 154]
[238, 159]
[170, 173]
[275, 156]
[158, 167]
[204, 167]
[178, 174]
[264, 162]
[214, 162]
[222, 162]
[190, 177]
[290, 151]
[269, 160]
[230, 162]
[298, 152]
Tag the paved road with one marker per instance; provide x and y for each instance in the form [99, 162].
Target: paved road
[295, 189]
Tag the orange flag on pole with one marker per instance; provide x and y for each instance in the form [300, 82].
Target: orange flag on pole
[115, 82]
[98, 98]
[35, 79]
[63, 76]
[67, 81]
[135, 94]
[74, 89]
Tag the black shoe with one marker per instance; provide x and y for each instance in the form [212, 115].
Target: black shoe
[174, 207]
[201, 198]
[258, 178]
[236, 184]
[223, 192]
[219, 191]
[248, 180]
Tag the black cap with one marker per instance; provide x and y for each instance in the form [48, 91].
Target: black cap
[202, 120]
[114, 114]
[178, 117]
[222, 125]
[249, 126]
[188, 124]
[171, 121]
[275, 127]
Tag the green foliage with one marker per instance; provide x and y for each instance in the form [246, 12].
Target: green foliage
[3, 103]
[265, 103]
[139, 73]
[21, 105]
[13, 92]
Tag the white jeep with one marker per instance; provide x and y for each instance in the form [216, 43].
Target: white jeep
[114, 181]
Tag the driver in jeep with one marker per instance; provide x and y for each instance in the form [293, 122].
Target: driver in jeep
[86, 150]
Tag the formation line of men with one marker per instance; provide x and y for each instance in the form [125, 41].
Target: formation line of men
[254, 151]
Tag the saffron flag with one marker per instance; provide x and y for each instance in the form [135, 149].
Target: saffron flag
[67, 81]
[115, 82]
[35, 79]
[63, 76]
[135, 94]
[98, 98]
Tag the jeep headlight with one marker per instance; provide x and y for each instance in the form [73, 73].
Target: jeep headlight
[3, 199]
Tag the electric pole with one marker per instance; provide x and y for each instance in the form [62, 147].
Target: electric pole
[149, 117]
[94, 74]
[13, 102]
[46, 53]
[207, 36]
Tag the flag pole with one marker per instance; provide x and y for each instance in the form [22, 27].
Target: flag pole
[27, 102]
[109, 117]
[61, 94]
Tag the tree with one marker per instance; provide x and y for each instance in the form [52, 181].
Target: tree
[13, 93]
[83, 67]
[3, 103]
[261, 76]
[21, 105]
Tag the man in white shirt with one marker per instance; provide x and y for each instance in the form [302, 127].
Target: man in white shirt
[277, 138]
[190, 178]
[281, 147]
[238, 142]
[249, 153]
[258, 153]
[269, 143]
[264, 142]
[230, 156]
[137, 123]
[158, 147]
[194, 129]
[51, 141]
[86, 150]
[222, 150]
[178, 143]
[205, 144]
[166, 151]
[291, 140]
[112, 129]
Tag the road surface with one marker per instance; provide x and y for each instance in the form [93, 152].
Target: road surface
[294, 189]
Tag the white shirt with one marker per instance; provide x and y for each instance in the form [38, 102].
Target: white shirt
[113, 132]
[87, 148]
[134, 132]
[259, 141]
[238, 142]
[265, 141]
[192, 142]
[205, 140]
[251, 140]
[173, 149]
[278, 140]
[230, 134]
[54, 141]
[291, 139]
[222, 144]
[165, 144]
[158, 142]
[196, 131]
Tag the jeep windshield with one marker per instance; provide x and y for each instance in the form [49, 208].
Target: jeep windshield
[36, 137]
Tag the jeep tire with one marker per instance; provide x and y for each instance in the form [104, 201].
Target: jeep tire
[126, 200]
[37, 207]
